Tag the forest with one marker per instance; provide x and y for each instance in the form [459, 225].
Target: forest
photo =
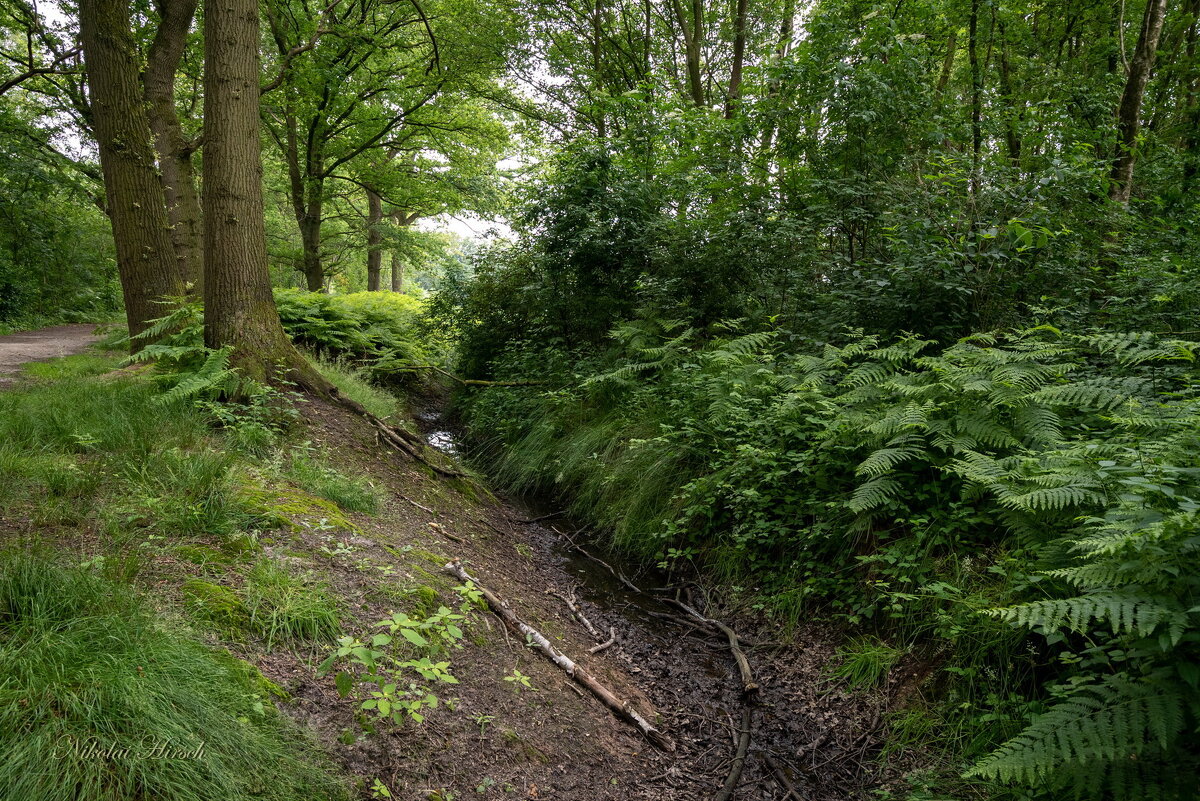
[599, 399]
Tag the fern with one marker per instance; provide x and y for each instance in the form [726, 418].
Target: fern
[1124, 613]
[1097, 725]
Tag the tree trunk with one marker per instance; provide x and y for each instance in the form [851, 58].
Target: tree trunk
[374, 240]
[239, 309]
[174, 151]
[402, 220]
[136, 206]
[948, 62]
[397, 272]
[1012, 135]
[976, 96]
[1129, 114]
[310, 240]
[1191, 106]
[597, 51]
[693, 40]
[739, 57]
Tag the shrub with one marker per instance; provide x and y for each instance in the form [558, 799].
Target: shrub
[908, 488]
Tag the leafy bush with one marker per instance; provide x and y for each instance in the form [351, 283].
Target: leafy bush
[910, 488]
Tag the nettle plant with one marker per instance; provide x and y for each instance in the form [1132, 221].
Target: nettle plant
[392, 673]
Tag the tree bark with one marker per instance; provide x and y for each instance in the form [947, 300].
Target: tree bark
[739, 57]
[136, 205]
[239, 309]
[1129, 113]
[174, 151]
[693, 40]
[374, 239]
[1012, 135]
[402, 220]
[976, 96]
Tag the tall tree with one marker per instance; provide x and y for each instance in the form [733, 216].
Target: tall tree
[1130, 112]
[374, 239]
[136, 204]
[239, 308]
[174, 149]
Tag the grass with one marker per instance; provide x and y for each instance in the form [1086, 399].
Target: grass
[865, 662]
[82, 364]
[353, 383]
[286, 607]
[89, 669]
[100, 469]
[352, 493]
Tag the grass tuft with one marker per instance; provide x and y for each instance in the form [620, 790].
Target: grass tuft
[93, 683]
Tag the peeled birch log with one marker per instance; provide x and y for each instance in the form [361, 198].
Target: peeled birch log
[625, 711]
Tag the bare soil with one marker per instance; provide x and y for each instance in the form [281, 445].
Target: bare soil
[46, 343]
[557, 741]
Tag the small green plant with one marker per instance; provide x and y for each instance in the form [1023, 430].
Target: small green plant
[519, 681]
[379, 789]
[482, 721]
[864, 663]
[397, 683]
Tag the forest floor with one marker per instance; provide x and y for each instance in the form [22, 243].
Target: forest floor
[503, 739]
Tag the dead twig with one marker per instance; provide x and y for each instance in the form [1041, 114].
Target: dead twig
[612, 638]
[577, 612]
[790, 790]
[624, 710]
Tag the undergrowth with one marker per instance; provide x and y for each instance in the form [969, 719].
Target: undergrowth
[1019, 509]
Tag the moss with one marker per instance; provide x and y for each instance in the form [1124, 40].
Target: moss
[291, 508]
[216, 604]
[251, 677]
[201, 555]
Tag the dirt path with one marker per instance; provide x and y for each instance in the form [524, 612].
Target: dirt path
[46, 343]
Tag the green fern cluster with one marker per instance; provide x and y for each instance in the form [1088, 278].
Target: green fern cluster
[907, 487]
[186, 368]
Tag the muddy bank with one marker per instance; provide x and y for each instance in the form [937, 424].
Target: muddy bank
[822, 740]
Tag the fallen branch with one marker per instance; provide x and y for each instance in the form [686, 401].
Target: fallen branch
[404, 441]
[789, 788]
[612, 638]
[466, 382]
[623, 710]
[532, 520]
[414, 503]
[577, 612]
[739, 757]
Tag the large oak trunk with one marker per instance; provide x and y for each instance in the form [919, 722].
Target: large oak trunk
[136, 205]
[239, 309]
[174, 151]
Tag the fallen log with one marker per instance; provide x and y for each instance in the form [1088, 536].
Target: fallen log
[623, 710]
